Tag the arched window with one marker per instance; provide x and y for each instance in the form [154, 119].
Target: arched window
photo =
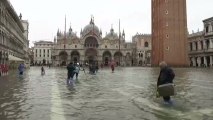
[191, 48]
[146, 44]
[207, 29]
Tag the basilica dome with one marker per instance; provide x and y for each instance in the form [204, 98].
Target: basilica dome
[91, 28]
[112, 35]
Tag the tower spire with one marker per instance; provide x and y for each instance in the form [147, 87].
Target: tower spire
[65, 32]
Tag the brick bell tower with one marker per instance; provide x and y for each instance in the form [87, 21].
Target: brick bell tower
[169, 32]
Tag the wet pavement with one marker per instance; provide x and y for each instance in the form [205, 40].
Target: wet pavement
[127, 94]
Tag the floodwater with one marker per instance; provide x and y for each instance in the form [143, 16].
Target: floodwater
[127, 94]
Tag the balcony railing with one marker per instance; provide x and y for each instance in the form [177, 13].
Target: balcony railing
[209, 33]
[201, 51]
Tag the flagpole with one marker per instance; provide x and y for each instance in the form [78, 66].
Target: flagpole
[65, 32]
[93, 25]
[119, 44]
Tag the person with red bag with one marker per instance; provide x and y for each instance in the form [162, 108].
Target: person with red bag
[3, 70]
[112, 66]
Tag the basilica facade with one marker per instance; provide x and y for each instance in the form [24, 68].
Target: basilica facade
[91, 47]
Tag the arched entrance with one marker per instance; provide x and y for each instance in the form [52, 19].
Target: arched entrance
[140, 63]
[63, 58]
[128, 59]
[118, 57]
[107, 57]
[91, 42]
[91, 55]
[128, 56]
[75, 56]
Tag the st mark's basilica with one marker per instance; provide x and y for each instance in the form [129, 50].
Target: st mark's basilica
[91, 47]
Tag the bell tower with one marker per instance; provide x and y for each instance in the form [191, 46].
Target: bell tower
[169, 32]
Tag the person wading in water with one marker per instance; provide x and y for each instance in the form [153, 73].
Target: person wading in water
[166, 76]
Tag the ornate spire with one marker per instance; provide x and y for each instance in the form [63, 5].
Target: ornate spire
[81, 31]
[123, 32]
[92, 20]
[20, 16]
[111, 30]
[70, 30]
[58, 32]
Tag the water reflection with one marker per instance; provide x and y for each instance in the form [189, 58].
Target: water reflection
[13, 98]
[129, 93]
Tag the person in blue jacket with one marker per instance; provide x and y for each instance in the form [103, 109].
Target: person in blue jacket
[21, 69]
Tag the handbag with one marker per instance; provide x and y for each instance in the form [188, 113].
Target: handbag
[166, 89]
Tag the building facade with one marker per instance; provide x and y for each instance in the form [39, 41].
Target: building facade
[13, 42]
[143, 46]
[25, 24]
[169, 32]
[201, 46]
[91, 47]
[42, 52]
[31, 55]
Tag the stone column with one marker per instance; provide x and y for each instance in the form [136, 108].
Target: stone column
[193, 62]
[211, 61]
[211, 44]
[204, 45]
[198, 45]
[205, 61]
[196, 63]
[193, 45]
[199, 61]
[210, 28]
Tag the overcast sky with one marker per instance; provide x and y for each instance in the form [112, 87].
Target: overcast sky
[46, 16]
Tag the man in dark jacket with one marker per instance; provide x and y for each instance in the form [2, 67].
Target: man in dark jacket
[166, 76]
[70, 69]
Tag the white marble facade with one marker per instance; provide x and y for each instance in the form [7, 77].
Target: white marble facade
[201, 46]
